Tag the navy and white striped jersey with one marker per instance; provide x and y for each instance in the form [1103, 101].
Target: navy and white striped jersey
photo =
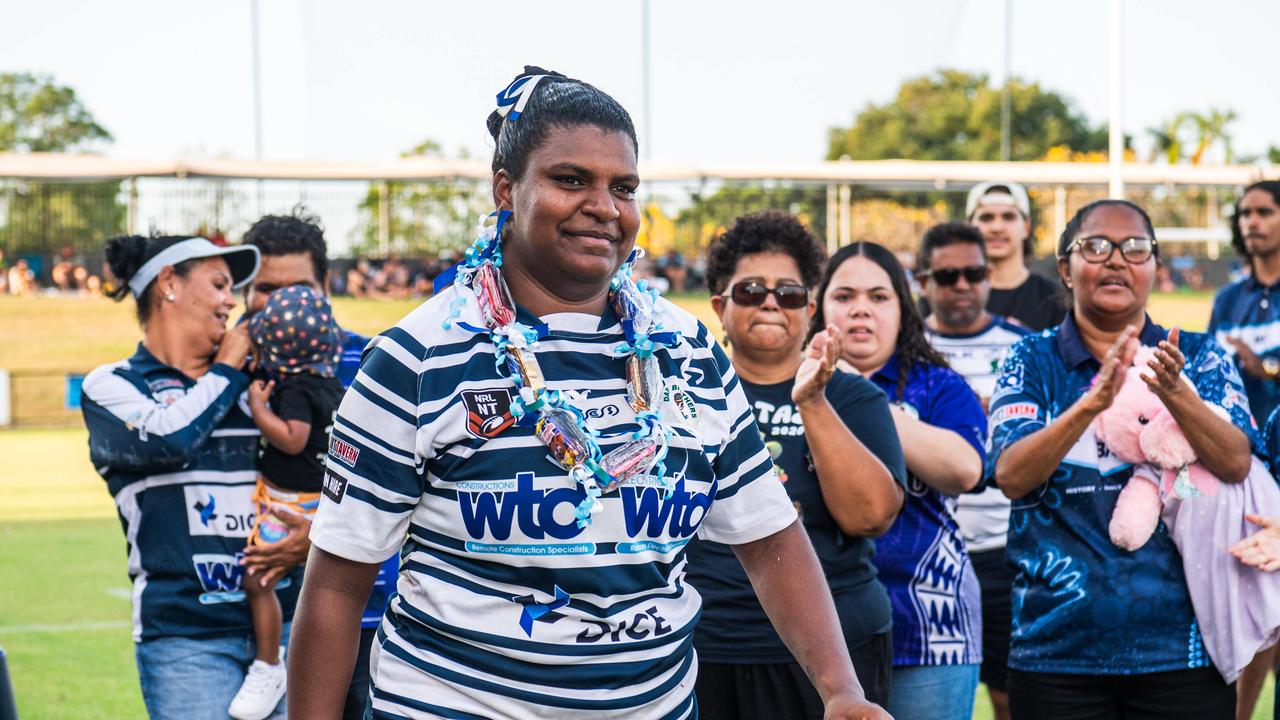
[983, 516]
[505, 607]
[178, 456]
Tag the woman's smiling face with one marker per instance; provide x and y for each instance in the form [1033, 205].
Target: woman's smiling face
[574, 212]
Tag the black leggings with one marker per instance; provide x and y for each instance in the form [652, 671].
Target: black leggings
[1198, 694]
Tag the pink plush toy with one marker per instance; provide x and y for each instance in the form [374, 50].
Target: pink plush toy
[1237, 606]
[1137, 429]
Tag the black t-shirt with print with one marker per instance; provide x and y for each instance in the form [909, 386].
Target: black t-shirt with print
[1037, 303]
[733, 627]
[312, 399]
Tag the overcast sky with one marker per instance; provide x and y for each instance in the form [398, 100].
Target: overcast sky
[732, 82]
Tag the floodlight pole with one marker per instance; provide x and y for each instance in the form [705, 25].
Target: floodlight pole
[1006, 99]
[1115, 121]
[644, 79]
[257, 92]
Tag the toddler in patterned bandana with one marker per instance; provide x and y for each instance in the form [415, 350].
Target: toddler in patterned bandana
[296, 333]
[299, 345]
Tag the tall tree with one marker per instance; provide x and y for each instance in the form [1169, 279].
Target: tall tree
[955, 115]
[1212, 129]
[37, 115]
[39, 218]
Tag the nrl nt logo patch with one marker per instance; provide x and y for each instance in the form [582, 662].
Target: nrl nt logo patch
[488, 412]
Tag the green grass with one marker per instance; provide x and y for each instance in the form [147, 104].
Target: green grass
[62, 557]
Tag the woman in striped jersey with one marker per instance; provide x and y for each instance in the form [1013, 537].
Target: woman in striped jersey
[526, 589]
[172, 438]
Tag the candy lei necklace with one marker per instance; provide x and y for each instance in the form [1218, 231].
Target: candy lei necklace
[556, 420]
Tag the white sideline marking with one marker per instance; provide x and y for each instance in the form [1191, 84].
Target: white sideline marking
[65, 628]
[120, 593]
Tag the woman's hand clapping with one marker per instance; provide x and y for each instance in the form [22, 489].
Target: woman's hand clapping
[1111, 376]
[818, 366]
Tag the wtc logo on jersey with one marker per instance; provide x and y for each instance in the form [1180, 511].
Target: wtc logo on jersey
[225, 511]
[488, 412]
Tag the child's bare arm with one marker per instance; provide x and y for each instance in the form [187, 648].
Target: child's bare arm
[288, 436]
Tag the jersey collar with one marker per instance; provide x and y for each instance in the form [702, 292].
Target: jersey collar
[1074, 351]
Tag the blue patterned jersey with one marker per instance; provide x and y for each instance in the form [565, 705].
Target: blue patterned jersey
[1081, 604]
[937, 610]
[1246, 310]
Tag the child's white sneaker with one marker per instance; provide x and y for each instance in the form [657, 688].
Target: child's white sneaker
[260, 693]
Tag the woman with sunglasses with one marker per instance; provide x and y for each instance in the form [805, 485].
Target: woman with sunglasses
[834, 449]
[1099, 631]
[937, 625]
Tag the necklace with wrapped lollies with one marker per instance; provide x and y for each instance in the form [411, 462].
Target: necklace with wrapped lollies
[556, 420]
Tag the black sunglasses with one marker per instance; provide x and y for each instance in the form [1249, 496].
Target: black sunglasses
[946, 277]
[752, 293]
[1099, 249]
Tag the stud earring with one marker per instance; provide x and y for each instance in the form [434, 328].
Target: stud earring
[170, 297]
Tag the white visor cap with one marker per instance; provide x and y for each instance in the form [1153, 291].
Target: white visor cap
[242, 259]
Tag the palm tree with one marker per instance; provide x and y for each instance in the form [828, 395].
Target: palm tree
[1211, 129]
[1167, 140]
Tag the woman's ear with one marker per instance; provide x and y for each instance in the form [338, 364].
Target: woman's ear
[166, 284]
[502, 190]
[1064, 271]
[718, 305]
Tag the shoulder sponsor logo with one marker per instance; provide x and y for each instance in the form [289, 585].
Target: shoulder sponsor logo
[334, 486]
[1014, 411]
[344, 451]
[221, 510]
[488, 412]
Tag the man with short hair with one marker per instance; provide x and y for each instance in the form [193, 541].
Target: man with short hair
[953, 270]
[1002, 213]
[1246, 321]
[294, 252]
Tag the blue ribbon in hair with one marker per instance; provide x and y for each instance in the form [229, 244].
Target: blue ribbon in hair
[514, 97]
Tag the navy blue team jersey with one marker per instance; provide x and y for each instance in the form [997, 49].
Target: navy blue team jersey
[1246, 310]
[179, 456]
[1081, 604]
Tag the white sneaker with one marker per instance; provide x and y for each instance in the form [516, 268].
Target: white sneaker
[261, 692]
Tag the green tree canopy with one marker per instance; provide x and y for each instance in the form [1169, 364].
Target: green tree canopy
[955, 115]
[39, 218]
[37, 115]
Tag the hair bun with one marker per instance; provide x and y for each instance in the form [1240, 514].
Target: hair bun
[124, 255]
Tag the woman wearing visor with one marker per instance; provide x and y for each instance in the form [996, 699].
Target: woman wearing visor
[1099, 631]
[173, 440]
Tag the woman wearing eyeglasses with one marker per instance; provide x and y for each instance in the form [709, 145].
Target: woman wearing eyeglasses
[834, 449]
[1099, 631]
[937, 625]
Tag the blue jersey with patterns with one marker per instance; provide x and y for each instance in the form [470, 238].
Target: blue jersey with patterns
[1245, 309]
[1081, 604]
[384, 586]
[505, 606]
[179, 457]
[734, 628]
[937, 608]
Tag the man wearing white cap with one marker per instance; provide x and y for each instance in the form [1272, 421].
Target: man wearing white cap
[1002, 213]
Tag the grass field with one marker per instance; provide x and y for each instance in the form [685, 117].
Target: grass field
[64, 607]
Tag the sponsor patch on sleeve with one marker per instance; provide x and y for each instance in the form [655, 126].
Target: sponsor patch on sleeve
[343, 451]
[1015, 411]
[334, 487]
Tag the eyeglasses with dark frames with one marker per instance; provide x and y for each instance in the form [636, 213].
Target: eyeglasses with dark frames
[1098, 249]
